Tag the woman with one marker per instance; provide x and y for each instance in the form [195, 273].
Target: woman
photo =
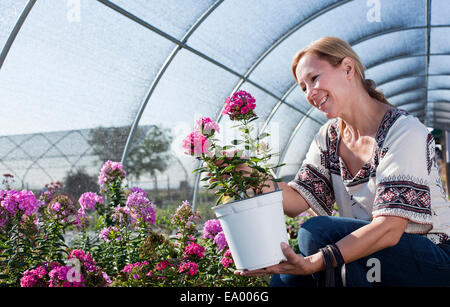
[377, 164]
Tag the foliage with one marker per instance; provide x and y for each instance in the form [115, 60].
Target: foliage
[124, 251]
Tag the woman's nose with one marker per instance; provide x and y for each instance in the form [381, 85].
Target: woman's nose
[311, 95]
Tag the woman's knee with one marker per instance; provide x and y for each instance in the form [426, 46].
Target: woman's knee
[309, 235]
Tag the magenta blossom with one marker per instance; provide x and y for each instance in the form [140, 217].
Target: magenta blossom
[110, 172]
[89, 200]
[211, 228]
[226, 259]
[141, 209]
[195, 144]
[194, 249]
[189, 267]
[206, 126]
[221, 241]
[240, 106]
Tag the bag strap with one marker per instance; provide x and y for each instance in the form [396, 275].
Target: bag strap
[329, 253]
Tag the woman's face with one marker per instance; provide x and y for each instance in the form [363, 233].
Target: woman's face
[325, 87]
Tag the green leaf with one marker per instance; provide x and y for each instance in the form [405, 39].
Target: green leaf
[263, 135]
[236, 142]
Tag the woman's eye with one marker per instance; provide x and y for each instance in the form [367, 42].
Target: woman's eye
[314, 78]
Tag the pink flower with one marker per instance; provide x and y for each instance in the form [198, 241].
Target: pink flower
[88, 200]
[141, 209]
[56, 207]
[195, 144]
[206, 126]
[195, 249]
[211, 228]
[162, 265]
[189, 267]
[240, 106]
[221, 241]
[109, 172]
[226, 259]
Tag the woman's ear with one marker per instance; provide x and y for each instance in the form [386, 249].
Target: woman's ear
[349, 67]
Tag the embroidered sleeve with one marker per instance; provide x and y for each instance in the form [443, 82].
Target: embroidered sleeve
[402, 176]
[313, 180]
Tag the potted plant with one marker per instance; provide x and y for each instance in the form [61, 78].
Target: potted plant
[253, 221]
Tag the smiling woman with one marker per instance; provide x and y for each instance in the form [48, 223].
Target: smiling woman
[376, 163]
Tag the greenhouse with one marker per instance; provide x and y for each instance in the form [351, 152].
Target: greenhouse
[89, 87]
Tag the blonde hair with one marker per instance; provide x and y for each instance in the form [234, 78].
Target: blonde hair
[334, 50]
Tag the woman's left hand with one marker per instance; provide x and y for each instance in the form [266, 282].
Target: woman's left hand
[295, 265]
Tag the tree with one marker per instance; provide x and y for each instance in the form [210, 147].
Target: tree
[150, 155]
[77, 182]
[148, 152]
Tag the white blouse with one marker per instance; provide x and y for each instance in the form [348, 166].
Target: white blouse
[401, 178]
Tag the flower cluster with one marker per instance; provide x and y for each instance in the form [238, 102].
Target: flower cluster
[62, 208]
[188, 267]
[141, 209]
[226, 259]
[185, 218]
[195, 144]
[206, 126]
[240, 106]
[80, 271]
[23, 202]
[65, 276]
[211, 228]
[37, 277]
[110, 233]
[50, 190]
[109, 172]
[138, 270]
[194, 249]
[89, 200]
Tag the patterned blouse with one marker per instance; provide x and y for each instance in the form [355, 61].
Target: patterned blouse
[400, 179]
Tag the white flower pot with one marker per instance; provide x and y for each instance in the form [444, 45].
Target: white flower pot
[254, 228]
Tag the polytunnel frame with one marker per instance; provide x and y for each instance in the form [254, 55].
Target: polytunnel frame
[243, 78]
[182, 44]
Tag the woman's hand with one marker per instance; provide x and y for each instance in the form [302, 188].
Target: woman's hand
[295, 264]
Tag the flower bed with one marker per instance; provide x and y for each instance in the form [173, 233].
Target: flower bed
[126, 250]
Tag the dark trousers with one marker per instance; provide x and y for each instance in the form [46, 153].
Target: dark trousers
[414, 261]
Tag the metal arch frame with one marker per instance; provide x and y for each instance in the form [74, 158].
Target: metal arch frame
[406, 92]
[161, 71]
[427, 60]
[12, 36]
[272, 47]
[411, 76]
[18, 146]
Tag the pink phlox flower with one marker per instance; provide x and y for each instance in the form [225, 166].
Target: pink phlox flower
[206, 126]
[226, 259]
[240, 106]
[211, 228]
[195, 250]
[195, 144]
[162, 265]
[108, 232]
[138, 190]
[89, 200]
[141, 208]
[56, 207]
[110, 171]
[221, 241]
[189, 267]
